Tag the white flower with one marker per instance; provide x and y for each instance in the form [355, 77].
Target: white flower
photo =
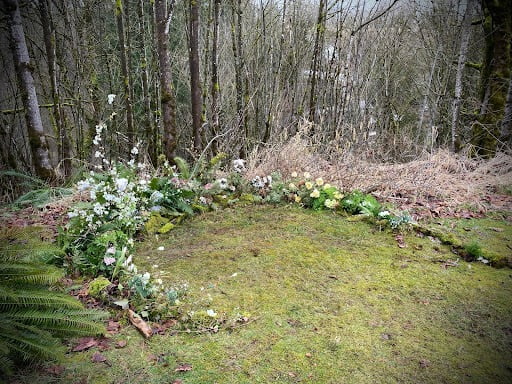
[72, 214]
[109, 260]
[145, 278]
[257, 182]
[121, 184]
[111, 250]
[161, 248]
[156, 196]
[223, 183]
[130, 242]
[331, 204]
[239, 165]
[83, 185]
[99, 128]
[92, 194]
[319, 181]
[131, 163]
[211, 313]
[294, 174]
[155, 208]
[98, 209]
[203, 200]
[134, 151]
[384, 214]
[307, 175]
[483, 260]
[292, 186]
[110, 98]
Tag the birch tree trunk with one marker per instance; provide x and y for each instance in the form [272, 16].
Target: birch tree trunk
[163, 16]
[36, 135]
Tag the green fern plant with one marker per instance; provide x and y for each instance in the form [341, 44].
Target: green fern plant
[33, 314]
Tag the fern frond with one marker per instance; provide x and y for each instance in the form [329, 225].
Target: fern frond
[22, 273]
[183, 167]
[6, 364]
[74, 321]
[19, 298]
[29, 342]
[29, 180]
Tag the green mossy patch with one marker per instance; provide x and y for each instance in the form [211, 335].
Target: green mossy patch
[327, 300]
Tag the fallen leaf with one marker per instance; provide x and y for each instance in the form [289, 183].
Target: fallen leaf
[113, 326]
[104, 344]
[334, 277]
[121, 344]
[308, 354]
[85, 343]
[400, 240]
[183, 368]
[177, 381]
[496, 229]
[55, 370]
[98, 358]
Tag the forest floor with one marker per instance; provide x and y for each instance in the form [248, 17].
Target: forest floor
[317, 298]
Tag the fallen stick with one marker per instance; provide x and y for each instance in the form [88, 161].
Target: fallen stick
[140, 324]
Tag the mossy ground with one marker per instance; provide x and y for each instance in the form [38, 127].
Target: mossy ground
[328, 300]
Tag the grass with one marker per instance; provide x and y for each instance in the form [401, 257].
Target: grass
[328, 301]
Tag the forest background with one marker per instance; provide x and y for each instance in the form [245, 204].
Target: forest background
[383, 81]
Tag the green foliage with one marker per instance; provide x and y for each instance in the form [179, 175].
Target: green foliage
[38, 192]
[183, 167]
[97, 285]
[33, 317]
[155, 223]
[474, 250]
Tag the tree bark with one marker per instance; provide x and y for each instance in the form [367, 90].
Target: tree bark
[148, 115]
[195, 84]
[37, 139]
[125, 71]
[461, 64]
[167, 98]
[316, 60]
[49, 37]
[495, 75]
[215, 85]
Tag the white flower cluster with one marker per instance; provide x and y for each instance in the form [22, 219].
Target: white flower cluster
[262, 182]
[239, 166]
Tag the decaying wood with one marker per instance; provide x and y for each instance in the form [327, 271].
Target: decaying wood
[140, 324]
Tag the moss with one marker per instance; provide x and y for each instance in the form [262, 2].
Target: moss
[97, 286]
[155, 223]
[327, 301]
[166, 228]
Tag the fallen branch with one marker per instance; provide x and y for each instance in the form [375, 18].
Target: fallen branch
[140, 324]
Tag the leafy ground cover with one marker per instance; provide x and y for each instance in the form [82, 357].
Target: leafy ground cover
[286, 295]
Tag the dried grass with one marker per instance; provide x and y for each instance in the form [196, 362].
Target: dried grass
[442, 181]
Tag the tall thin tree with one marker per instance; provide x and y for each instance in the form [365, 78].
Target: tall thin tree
[36, 134]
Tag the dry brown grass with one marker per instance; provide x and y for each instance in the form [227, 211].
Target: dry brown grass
[441, 183]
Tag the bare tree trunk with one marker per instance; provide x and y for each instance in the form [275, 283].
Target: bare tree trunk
[150, 127]
[163, 16]
[236, 38]
[195, 85]
[215, 86]
[464, 44]
[125, 71]
[316, 60]
[37, 138]
[49, 36]
[495, 75]
[506, 124]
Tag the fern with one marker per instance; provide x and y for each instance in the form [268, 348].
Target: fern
[183, 167]
[33, 318]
